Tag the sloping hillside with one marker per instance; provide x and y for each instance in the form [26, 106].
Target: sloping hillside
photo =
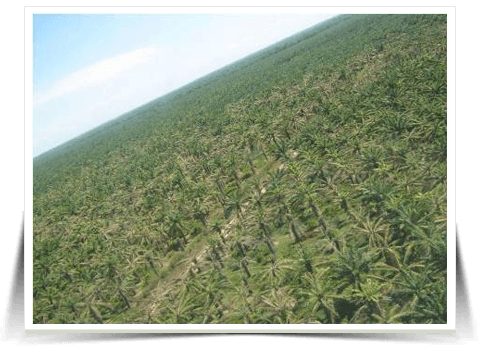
[304, 184]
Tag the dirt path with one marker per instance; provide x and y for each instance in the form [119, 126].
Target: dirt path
[150, 300]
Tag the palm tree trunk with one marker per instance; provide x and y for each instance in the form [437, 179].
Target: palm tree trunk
[294, 232]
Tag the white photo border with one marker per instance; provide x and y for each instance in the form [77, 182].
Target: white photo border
[30, 327]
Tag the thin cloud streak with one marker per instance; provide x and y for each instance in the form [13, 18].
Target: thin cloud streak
[98, 73]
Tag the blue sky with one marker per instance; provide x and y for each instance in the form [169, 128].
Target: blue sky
[90, 68]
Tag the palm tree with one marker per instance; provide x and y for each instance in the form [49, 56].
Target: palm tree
[308, 194]
[352, 265]
[263, 135]
[273, 272]
[175, 225]
[240, 299]
[392, 314]
[374, 230]
[217, 226]
[432, 303]
[220, 194]
[92, 303]
[215, 254]
[263, 234]
[306, 259]
[331, 178]
[368, 297]
[209, 289]
[249, 158]
[232, 165]
[201, 213]
[294, 229]
[389, 250]
[319, 295]
[246, 313]
[281, 303]
[235, 203]
[245, 265]
[181, 309]
[411, 285]
[258, 191]
[371, 157]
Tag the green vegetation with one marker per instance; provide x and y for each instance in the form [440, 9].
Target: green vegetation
[304, 184]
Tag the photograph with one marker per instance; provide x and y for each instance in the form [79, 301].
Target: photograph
[240, 170]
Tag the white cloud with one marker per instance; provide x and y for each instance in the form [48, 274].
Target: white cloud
[98, 73]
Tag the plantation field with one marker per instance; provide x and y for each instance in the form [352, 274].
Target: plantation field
[305, 183]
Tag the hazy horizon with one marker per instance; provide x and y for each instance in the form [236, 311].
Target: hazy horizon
[90, 69]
